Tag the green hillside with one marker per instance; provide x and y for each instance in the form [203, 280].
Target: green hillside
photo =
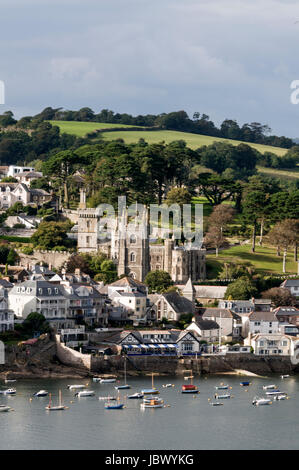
[82, 128]
[193, 141]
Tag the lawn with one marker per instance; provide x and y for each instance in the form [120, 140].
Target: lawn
[264, 260]
[193, 141]
[281, 174]
[82, 128]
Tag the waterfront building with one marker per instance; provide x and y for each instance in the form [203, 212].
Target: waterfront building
[287, 315]
[171, 306]
[263, 322]
[270, 345]
[207, 330]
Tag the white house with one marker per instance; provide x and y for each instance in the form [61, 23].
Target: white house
[270, 345]
[171, 306]
[15, 170]
[207, 330]
[263, 322]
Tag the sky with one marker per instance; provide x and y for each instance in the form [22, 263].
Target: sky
[230, 59]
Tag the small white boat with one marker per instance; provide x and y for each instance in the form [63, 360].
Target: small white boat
[270, 387]
[283, 396]
[222, 387]
[8, 381]
[261, 401]
[96, 379]
[9, 391]
[85, 393]
[168, 385]
[222, 397]
[274, 392]
[135, 396]
[107, 398]
[284, 376]
[107, 381]
[76, 387]
[217, 403]
[41, 393]
[4, 408]
[58, 407]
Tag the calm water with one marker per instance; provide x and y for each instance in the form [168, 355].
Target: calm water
[189, 423]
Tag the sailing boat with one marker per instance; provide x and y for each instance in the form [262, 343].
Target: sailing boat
[114, 406]
[151, 391]
[60, 406]
[189, 388]
[122, 387]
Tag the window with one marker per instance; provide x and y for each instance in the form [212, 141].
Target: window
[87, 241]
[132, 239]
[132, 257]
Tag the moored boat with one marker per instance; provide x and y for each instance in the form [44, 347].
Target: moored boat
[125, 385]
[261, 401]
[7, 381]
[270, 387]
[85, 393]
[107, 381]
[152, 403]
[222, 387]
[135, 396]
[285, 376]
[222, 397]
[167, 385]
[245, 384]
[150, 391]
[116, 406]
[190, 389]
[217, 403]
[107, 398]
[4, 408]
[76, 387]
[282, 396]
[274, 392]
[9, 391]
[58, 407]
[41, 393]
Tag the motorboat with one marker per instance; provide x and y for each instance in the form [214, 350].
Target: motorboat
[76, 387]
[222, 397]
[222, 387]
[285, 376]
[4, 408]
[167, 385]
[107, 381]
[274, 392]
[41, 393]
[58, 407]
[149, 399]
[261, 401]
[190, 389]
[282, 396]
[9, 391]
[135, 396]
[270, 387]
[152, 403]
[107, 398]
[217, 403]
[245, 384]
[8, 381]
[96, 379]
[125, 385]
[85, 393]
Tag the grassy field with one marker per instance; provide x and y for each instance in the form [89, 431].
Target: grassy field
[193, 141]
[82, 128]
[281, 174]
[264, 260]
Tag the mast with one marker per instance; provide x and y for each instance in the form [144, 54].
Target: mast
[50, 395]
[153, 380]
[125, 371]
[59, 397]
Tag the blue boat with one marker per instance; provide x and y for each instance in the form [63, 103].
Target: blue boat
[109, 406]
[245, 384]
[122, 387]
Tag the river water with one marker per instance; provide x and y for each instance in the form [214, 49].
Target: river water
[189, 423]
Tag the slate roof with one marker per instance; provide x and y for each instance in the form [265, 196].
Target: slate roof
[290, 283]
[206, 324]
[211, 292]
[207, 312]
[179, 303]
[286, 311]
[263, 316]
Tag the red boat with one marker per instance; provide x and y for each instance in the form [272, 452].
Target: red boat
[189, 388]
